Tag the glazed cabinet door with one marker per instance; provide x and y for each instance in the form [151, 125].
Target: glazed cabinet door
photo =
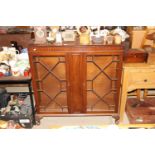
[103, 82]
[49, 82]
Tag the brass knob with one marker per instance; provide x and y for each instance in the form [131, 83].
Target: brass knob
[145, 80]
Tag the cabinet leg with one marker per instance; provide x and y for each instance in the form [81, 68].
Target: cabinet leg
[116, 117]
[37, 119]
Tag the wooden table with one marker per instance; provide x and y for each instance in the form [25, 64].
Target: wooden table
[135, 76]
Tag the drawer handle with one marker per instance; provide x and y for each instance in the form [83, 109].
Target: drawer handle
[145, 80]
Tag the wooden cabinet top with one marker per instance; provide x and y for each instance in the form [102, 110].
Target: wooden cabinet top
[75, 44]
[74, 47]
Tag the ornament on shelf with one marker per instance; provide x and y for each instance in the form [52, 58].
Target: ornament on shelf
[122, 33]
[84, 32]
[40, 34]
[117, 39]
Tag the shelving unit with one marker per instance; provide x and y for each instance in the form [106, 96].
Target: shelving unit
[20, 81]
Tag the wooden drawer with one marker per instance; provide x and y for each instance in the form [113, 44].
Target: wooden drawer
[143, 77]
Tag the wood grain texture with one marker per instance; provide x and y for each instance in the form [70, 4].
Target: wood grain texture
[76, 83]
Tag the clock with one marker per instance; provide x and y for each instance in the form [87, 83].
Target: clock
[40, 34]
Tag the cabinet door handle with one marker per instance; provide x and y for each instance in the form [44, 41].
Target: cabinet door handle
[145, 80]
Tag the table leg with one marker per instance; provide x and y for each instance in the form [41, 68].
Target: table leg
[123, 96]
[122, 106]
